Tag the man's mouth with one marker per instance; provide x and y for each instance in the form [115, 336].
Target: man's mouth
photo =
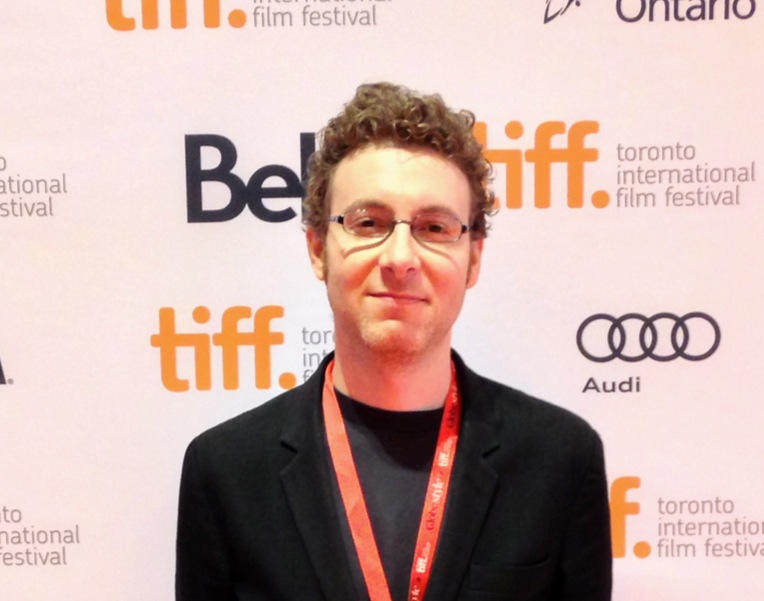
[398, 297]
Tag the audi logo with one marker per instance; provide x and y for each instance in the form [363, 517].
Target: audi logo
[653, 340]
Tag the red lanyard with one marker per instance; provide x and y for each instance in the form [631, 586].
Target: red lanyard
[355, 506]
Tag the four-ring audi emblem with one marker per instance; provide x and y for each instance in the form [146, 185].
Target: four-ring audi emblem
[662, 337]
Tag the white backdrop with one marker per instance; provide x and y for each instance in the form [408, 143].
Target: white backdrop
[98, 102]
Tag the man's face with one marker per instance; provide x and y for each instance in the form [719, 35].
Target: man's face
[396, 296]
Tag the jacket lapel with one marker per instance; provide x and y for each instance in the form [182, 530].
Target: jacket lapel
[308, 483]
[471, 490]
[309, 488]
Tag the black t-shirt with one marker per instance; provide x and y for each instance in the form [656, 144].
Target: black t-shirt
[393, 453]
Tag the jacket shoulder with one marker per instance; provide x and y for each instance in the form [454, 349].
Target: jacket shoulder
[534, 424]
[250, 433]
[528, 407]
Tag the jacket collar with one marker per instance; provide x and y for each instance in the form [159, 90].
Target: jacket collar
[309, 486]
[472, 486]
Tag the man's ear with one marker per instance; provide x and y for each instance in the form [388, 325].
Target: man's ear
[476, 255]
[316, 251]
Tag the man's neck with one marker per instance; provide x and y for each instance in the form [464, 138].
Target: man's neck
[385, 382]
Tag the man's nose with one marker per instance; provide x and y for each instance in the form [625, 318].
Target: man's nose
[400, 251]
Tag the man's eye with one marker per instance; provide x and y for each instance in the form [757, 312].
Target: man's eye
[366, 224]
[436, 228]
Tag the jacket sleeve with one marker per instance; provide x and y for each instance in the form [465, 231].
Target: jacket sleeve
[587, 553]
[202, 570]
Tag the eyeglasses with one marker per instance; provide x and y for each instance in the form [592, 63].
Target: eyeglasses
[377, 222]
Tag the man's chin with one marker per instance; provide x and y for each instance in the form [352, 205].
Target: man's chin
[395, 341]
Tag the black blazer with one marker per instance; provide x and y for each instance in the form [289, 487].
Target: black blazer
[526, 520]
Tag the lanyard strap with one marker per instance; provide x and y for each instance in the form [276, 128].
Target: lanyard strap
[355, 505]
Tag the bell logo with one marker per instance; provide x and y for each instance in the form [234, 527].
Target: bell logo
[117, 19]
[620, 509]
[256, 334]
[239, 194]
[574, 155]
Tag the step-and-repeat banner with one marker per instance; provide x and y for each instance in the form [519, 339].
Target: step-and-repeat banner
[151, 163]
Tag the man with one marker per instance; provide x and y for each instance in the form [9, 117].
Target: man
[395, 472]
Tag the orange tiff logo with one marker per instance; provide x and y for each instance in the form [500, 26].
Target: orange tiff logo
[117, 19]
[620, 509]
[256, 333]
[574, 154]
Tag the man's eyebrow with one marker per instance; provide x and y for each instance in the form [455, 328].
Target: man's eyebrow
[373, 203]
[367, 203]
[438, 208]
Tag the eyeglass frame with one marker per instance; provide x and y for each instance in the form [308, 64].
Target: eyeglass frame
[464, 228]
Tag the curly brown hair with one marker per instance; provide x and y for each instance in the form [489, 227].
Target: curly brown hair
[390, 115]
